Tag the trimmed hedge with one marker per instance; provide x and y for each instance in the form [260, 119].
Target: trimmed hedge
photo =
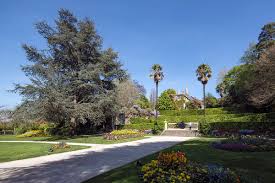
[209, 111]
[218, 116]
[242, 117]
[208, 128]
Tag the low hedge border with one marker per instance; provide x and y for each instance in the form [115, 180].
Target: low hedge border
[235, 127]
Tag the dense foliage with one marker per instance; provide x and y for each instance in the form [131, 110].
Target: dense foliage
[211, 101]
[73, 79]
[165, 101]
[251, 84]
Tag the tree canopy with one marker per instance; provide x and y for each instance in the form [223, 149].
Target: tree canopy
[165, 101]
[72, 80]
[251, 84]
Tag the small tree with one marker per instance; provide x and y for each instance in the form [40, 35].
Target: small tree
[165, 101]
[211, 101]
[204, 73]
[127, 94]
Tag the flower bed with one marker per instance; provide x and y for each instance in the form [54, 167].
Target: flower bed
[246, 144]
[123, 134]
[174, 167]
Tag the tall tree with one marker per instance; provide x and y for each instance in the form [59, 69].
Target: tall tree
[204, 73]
[157, 75]
[73, 79]
[262, 91]
[266, 38]
[127, 93]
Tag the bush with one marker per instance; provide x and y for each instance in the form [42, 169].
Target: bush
[6, 126]
[123, 134]
[174, 167]
[32, 133]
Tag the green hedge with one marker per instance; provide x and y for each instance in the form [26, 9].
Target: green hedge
[209, 111]
[242, 117]
[207, 128]
[213, 115]
[143, 126]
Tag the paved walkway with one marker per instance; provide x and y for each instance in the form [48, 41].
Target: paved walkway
[77, 166]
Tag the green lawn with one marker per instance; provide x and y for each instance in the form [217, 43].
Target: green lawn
[15, 151]
[254, 166]
[78, 139]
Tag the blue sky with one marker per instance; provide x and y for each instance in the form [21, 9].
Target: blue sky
[177, 34]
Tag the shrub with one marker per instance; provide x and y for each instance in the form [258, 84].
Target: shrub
[6, 126]
[174, 167]
[32, 133]
[123, 134]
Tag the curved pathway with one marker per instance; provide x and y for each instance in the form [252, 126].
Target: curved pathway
[78, 166]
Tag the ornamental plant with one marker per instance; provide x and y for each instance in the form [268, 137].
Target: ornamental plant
[123, 134]
[175, 168]
[32, 133]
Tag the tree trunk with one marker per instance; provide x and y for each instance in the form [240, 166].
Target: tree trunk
[73, 123]
[156, 106]
[204, 106]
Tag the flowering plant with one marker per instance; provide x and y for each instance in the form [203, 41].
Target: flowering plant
[175, 168]
[123, 134]
[169, 167]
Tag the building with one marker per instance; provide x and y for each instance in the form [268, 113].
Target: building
[184, 98]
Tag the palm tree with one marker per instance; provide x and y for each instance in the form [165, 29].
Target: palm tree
[157, 76]
[204, 73]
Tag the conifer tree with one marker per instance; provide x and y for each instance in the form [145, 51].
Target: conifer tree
[73, 79]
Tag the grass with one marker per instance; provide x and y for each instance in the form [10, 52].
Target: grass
[78, 139]
[15, 151]
[255, 167]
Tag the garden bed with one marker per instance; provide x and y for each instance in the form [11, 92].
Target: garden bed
[175, 167]
[123, 134]
[245, 144]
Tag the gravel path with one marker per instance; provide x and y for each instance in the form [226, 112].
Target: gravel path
[77, 166]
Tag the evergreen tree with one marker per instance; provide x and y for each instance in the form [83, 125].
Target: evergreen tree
[73, 80]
